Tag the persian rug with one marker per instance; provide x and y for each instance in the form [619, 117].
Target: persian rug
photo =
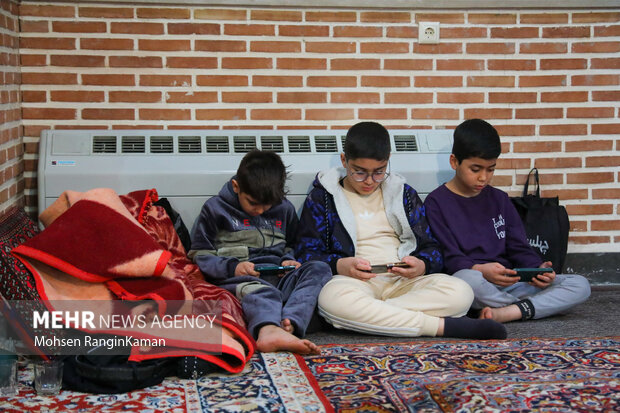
[270, 382]
[533, 375]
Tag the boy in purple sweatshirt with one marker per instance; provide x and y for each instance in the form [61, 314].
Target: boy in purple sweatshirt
[483, 237]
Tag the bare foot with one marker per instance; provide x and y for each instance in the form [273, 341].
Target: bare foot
[273, 338]
[287, 326]
[501, 314]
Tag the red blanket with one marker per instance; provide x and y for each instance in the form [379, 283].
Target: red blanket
[98, 246]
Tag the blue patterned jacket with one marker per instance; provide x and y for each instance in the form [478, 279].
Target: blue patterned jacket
[327, 229]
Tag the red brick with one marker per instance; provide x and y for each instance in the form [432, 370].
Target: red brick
[408, 97]
[607, 225]
[330, 47]
[597, 161]
[566, 194]
[595, 80]
[79, 26]
[108, 80]
[221, 80]
[46, 11]
[107, 12]
[588, 240]
[49, 78]
[385, 81]
[564, 96]
[107, 44]
[302, 97]
[512, 64]
[249, 29]
[606, 193]
[543, 48]
[192, 62]
[355, 64]
[247, 97]
[490, 81]
[590, 113]
[589, 177]
[76, 96]
[137, 28]
[596, 47]
[220, 114]
[165, 114]
[596, 17]
[164, 45]
[358, 31]
[539, 113]
[275, 114]
[112, 114]
[606, 95]
[441, 48]
[163, 13]
[33, 60]
[48, 113]
[588, 145]
[359, 97]
[454, 18]
[384, 47]
[303, 31]
[47, 43]
[496, 113]
[566, 32]
[332, 81]
[437, 81]
[514, 32]
[276, 15]
[166, 80]
[33, 96]
[607, 31]
[135, 96]
[490, 48]
[275, 47]
[220, 14]
[385, 17]
[435, 114]
[563, 64]
[331, 16]
[191, 97]
[193, 28]
[512, 97]
[488, 18]
[407, 32]
[246, 63]
[513, 163]
[564, 130]
[330, 114]
[460, 64]
[301, 63]
[407, 64]
[277, 81]
[544, 18]
[29, 26]
[463, 32]
[77, 60]
[220, 45]
[533, 147]
[135, 61]
[542, 81]
[384, 113]
[606, 128]
[554, 163]
[605, 63]
[597, 209]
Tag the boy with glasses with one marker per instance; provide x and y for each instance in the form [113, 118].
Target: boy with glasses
[361, 216]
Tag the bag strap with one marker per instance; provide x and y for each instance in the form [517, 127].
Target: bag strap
[527, 183]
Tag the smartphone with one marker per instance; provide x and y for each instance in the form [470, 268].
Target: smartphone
[527, 274]
[274, 269]
[379, 269]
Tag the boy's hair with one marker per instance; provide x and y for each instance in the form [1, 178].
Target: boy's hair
[367, 140]
[261, 175]
[476, 138]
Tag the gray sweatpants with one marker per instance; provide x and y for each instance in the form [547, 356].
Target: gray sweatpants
[566, 291]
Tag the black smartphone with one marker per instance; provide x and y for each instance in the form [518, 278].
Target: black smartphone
[527, 274]
[274, 269]
[379, 269]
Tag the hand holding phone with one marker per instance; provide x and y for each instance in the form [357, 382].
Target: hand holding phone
[379, 269]
[274, 269]
[527, 274]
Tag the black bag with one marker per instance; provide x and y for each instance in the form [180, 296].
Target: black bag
[546, 223]
[177, 221]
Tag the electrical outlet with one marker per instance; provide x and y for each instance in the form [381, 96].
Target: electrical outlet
[428, 32]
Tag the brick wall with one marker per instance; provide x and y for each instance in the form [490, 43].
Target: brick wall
[548, 80]
[11, 148]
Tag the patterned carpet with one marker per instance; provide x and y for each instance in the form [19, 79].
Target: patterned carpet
[273, 382]
[576, 375]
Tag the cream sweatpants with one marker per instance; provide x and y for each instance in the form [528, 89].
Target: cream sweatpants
[394, 306]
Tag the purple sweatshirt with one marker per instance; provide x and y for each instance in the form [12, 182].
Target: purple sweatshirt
[484, 228]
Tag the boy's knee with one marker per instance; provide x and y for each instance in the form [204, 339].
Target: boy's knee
[579, 284]
[462, 294]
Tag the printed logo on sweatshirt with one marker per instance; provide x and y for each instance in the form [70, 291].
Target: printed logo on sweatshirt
[366, 216]
[499, 227]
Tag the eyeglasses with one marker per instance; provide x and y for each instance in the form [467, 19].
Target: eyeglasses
[361, 176]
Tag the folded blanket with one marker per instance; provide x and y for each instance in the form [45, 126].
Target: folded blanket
[97, 246]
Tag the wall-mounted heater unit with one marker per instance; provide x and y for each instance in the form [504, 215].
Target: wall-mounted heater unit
[188, 167]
